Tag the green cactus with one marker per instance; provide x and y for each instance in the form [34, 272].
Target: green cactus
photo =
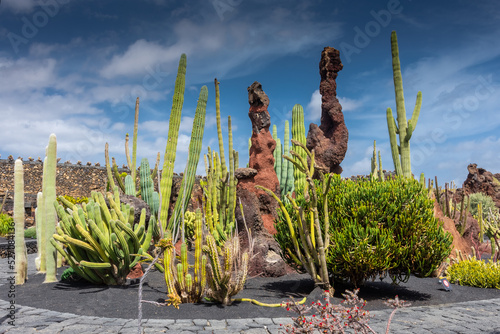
[21, 256]
[374, 175]
[170, 151]
[287, 181]
[39, 230]
[219, 129]
[147, 187]
[181, 285]
[380, 169]
[49, 220]
[314, 239]
[129, 185]
[401, 152]
[98, 242]
[225, 279]
[298, 135]
[192, 163]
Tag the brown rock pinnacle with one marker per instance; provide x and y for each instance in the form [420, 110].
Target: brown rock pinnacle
[329, 140]
[261, 154]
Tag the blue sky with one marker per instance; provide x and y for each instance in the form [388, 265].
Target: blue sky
[74, 68]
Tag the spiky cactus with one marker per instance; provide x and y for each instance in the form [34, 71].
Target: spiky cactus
[287, 181]
[21, 265]
[299, 135]
[173, 134]
[184, 286]
[98, 242]
[401, 152]
[192, 163]
[227, 277]
[147, 188]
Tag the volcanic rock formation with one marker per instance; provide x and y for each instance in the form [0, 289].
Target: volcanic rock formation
[329, 140]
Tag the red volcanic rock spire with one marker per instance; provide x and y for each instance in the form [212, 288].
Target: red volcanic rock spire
[261, 153]
[329, 140]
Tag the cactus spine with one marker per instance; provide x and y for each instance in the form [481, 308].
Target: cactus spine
[401, 153]
[49, 220]
[299, 135]
[173, 134]
[21, 264]
[192, 163]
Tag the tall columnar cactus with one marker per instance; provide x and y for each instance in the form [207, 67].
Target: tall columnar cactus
[49, 219]
[219, 195]
[99, 242]
[21, 264]
[286, 182]
[401, 152]
[377, 172]
[192, 163]
[219, 129]
[170, 151]
[39, 231]
[147, 187]
[298, 135]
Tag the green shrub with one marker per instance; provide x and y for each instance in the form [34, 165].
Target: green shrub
[30, 232]
[474, 272]
[6, 224]
[377, 228]
[487, 202]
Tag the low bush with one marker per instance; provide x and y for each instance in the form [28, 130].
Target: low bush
[474, 272]
[30, 232]
[378, 228]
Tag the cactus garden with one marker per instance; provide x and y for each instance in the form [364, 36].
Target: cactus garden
[271, 234]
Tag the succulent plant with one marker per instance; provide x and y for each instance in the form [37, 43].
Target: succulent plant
[21, 265]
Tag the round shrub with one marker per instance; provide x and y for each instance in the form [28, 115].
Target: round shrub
[377, 228]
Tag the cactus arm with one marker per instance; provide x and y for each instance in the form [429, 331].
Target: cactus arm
[108, 167]
[391, 124]
[412, 123]
[173, 134]
[219, 129]
[133, 168]
[21, 264]
[117, 175]
[299, 135]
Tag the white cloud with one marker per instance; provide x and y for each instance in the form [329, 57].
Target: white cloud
[349, 104]
[313, 108]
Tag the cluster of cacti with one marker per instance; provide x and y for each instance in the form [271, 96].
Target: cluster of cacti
[283, 168]
[377, 172]
[227, 277]
[185, 286]
[314, 239]
[449, 206]
[492, 231]
[401, 152]
[100, 243]
[299, 136]
[21, 256]
[219, 189]
[125, 181]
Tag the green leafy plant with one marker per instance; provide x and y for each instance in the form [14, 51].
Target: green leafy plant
[474, 272]
[6, 224]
